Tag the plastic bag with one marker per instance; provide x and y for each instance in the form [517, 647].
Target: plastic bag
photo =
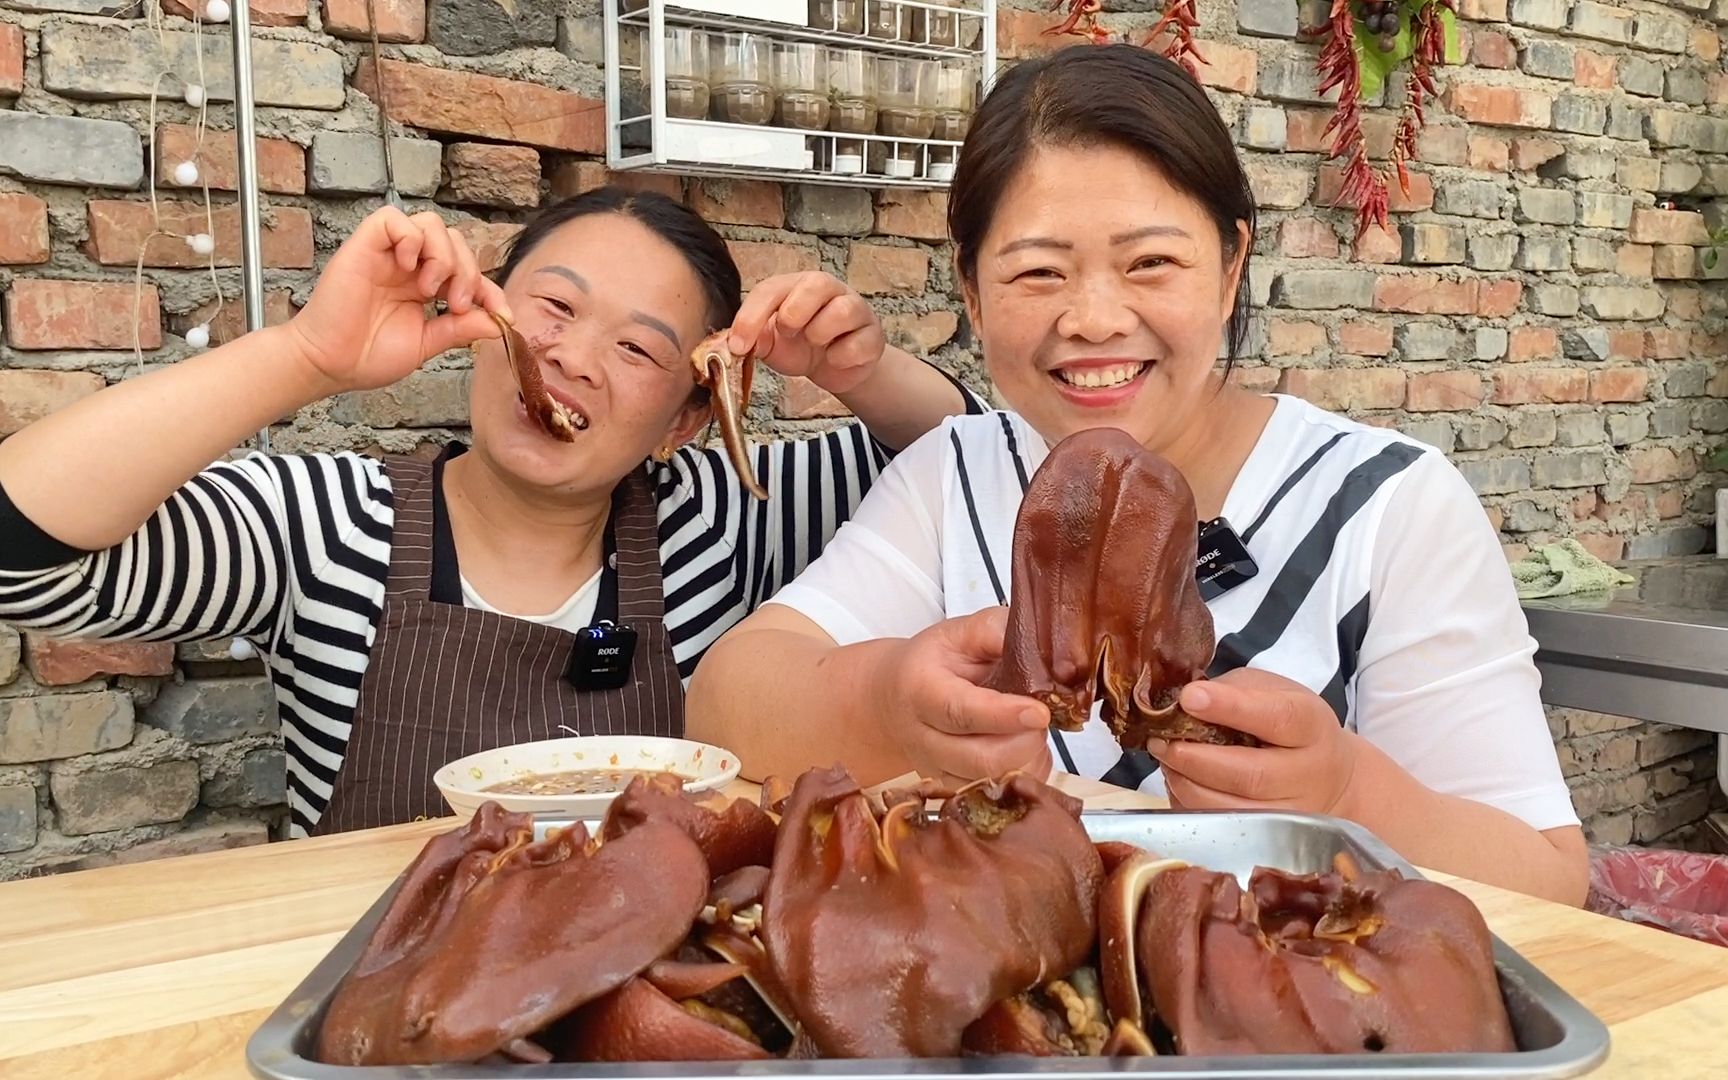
[1682, 892]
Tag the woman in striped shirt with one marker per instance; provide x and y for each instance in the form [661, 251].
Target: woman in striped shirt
[1103, 225]
[409, 612]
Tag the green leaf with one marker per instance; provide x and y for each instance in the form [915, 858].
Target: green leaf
[1710, 257]
[1449, 25]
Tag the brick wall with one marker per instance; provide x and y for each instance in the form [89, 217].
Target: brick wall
[1540, 312]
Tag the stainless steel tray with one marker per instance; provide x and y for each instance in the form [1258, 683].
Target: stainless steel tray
[1557, 1036]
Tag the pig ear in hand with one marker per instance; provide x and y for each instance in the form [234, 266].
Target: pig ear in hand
[728, 378]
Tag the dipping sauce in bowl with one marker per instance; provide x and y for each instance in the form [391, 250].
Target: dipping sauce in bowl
[575, 782]
[577, 777]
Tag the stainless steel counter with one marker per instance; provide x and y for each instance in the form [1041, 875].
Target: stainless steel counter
[1654, 650]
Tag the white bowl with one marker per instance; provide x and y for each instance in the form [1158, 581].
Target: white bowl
[463, 781]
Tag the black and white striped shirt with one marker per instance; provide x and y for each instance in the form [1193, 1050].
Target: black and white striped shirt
[1381, 587]
[293, 553]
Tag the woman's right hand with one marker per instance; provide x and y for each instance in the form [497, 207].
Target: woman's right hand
[950, 727]
[366, 324]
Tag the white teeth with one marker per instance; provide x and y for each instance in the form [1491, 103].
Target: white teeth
[1099, 377]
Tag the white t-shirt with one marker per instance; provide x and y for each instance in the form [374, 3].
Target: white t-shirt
[574, 614]
[1381, 587]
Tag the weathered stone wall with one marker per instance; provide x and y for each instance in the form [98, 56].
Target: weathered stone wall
[1539, 311]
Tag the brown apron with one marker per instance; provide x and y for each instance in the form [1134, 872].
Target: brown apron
[444, 681]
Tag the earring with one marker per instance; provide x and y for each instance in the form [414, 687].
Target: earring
[663, 455]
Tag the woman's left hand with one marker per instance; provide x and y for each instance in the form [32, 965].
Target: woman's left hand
[1305, 764]
[810, 324]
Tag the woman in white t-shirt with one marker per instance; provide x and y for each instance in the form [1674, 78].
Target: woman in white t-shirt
[1102, 226]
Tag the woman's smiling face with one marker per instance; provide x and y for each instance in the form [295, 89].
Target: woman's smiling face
[1101, 295]
[611, 311]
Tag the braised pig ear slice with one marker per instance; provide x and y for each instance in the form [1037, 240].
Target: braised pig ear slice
[642, 1022]
[547, 412]
[740, 835]
[1318, 964]
[1104, 601]
[890, 935]
[495, 935]
[728, 377]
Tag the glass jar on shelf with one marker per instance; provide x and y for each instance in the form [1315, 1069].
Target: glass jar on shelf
[742, 77]
[846, 16]
[956, 100]
[801, 76]
[851, 105]
[687, 77]
[886, 20]
[906, 95]
[927, 26]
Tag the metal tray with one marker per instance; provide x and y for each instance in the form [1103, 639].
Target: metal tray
[1557, 1037]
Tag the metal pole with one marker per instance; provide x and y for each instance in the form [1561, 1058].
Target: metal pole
[245, 146]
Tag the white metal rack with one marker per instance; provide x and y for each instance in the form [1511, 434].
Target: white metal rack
[654, 141]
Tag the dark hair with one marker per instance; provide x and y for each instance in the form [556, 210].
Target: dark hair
[1115, 94]
[675, 223]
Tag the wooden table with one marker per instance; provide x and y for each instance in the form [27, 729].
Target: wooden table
[166, 968]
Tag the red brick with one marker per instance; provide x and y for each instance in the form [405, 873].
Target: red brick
[44, 314]
[1255, 380]
[573, 177]
[1020, 34]
[1605, 546]
[398, 20]
[1593, 70]
[875, 269]
[1667, 344]
[1532, 343]
[28, 396]
[1635, 261]
[281, 164]
[489, 240]
[1307, 238]
[1619, 384]
[1419, 197]
[64, 663]
[23, 229]
[1514, 552]
[1685, 303]
[1709, 346]
[1626, 344]
[1583, 505]
[801, 399]
[921, 334]
[1346, 388]
[1706, 44]
[1530, 386]
[759, 260]
[740, 202]
[1492, 49]
[1363, 337]
[1500, 106]
[916, 215]
[229, 322]
[1489, 154]
[1305, 132]
[1445, 391]
[1495, 517]
[263, 12]
[1670, 504]
[118, 230]
[484, 174]
[1228, 67]
[1531, 154]
[1668, 227]
[1498, 298]
[1483, 10]
[11, 60]
[463, 103]
[1656, 464]
[1425, 294]
[1377, 245]
[1444, 144]
[1287, 337]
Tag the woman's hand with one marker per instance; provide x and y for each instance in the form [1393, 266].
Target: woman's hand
[1306, 764]
[366, 324]
[946, 724]
[810, 324]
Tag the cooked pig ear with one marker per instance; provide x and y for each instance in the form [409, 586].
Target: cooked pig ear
[1119, 906]
[728, 379]
[539, 403]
